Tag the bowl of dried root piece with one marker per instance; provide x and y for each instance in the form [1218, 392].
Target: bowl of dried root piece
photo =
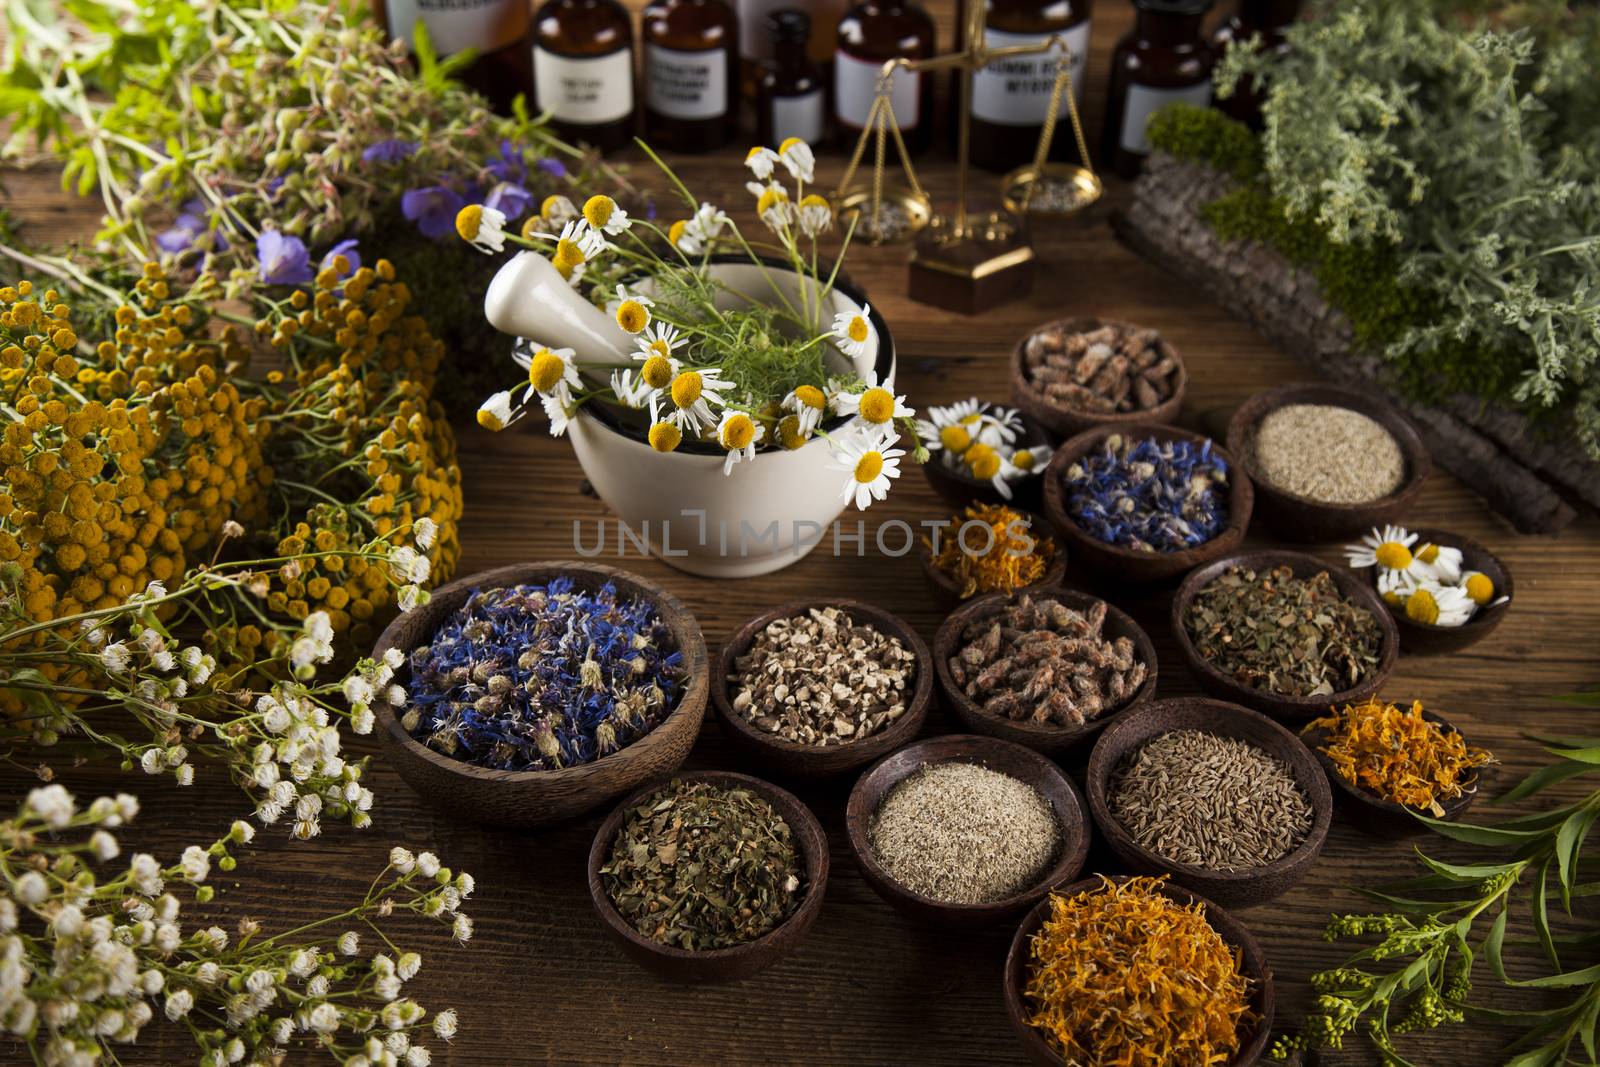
[1077, 374]
[1046, 668]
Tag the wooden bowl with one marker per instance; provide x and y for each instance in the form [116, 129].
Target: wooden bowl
[1300, 518]
[797, 760]
[1233, 933]
[946, 590]
[1065, 421]
[958, 488]
[1422, 639]
[1352, 586]
[737, 961]
[1095, 556]
[539, 798]
[1003, 756]
[1234, 889]
[1372, 814]
[1048, 738]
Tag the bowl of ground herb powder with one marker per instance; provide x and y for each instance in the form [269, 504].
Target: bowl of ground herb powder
[1221, 799]
[1284, 633]
[1327, 463]
[533, 693]
[965, 830]
[710, 877]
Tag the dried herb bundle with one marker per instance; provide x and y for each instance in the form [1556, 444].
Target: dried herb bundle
[1125, 975]
[699, 866]
[1398, 755]
[1292, 636]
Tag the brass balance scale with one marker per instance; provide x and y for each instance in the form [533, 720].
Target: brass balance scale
[967, 262]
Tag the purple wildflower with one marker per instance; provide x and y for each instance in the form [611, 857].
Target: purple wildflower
[390, 151]
[510, 199]
[553, 167]
[347, 249]
[274, 185]
[283, 259]
[508, 166]
[433, 209]
[186, 229]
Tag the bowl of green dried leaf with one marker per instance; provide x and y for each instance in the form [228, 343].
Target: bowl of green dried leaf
[710, 876]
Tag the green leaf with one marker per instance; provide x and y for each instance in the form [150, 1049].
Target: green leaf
[1466, 872]
[1589, 755]
[1564, 980]
[1541, 917]
[1569, 839]
[1542, 779]
[1493, 943]
[1478, 835]
[1586, 1026]
[1542, 1056]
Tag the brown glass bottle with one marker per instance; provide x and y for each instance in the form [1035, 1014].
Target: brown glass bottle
[1164, 60]
[496, 29]
[1011, 97]
[583, 70]
[870, 34]
[792, 100]
[691, 74]
[1268, 19]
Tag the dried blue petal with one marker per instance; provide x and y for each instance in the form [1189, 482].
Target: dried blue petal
[1149, 495]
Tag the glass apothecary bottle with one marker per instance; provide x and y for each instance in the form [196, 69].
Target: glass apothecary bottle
[497, 30]
[871, 34]
[691, 74]
[1164, 60]
[1011, 97]
[792, 98]
[1268, 19]
[583, 70]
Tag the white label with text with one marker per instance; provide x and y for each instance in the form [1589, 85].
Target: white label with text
[686, 85]
[855, 84]
[457, 25]
[1143, 101]
[586, 89]
[1015, 90]
[798, 116]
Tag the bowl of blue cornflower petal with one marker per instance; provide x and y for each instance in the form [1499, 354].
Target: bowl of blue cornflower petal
[534, 693]
[1145, 503]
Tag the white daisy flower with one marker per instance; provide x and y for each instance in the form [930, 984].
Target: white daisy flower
[659, 340]
[559, 410]
[761, 160]
[815, 214]
[1029, 461]
[1480, 587]
[632, 311]
[772, 205]
[557, 210]
[1389, 548]
[482, 227]
[854, 332]
[809, 404]
[553, 372]
[871, 463]
[577, 245]
[738, 433]
[695, 394]
[1395, 586]
[798, 159]
[631, 389]
[707, 222]
[499, 411]
[606, 215]
[873, 405]
[1441, 563]
[1439, 605]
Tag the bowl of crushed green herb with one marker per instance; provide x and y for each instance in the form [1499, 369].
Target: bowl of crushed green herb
[1327, 463]
[1221, 799]
[1118, 970]
[965, 830]
[709, 877]
[533, 693]
[1043, 667]
[1145, 503]
[1284, 633]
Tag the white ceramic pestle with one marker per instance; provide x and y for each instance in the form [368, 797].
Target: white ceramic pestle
[529, 298]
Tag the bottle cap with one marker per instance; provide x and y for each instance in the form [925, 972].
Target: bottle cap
[789, 25]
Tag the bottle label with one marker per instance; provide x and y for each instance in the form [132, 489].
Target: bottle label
[686, 85]
[754, 43]
[798, 116]
[855, 84]
[584, 89]
[456, 25]
[1143, 101]
[1015, 91]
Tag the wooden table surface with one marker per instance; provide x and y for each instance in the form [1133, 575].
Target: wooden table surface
[540, 982]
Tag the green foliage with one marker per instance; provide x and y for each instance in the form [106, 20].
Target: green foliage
[1206, 135]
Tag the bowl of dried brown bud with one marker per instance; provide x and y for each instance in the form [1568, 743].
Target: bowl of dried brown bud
[816, 688]
[1077, 374]
[1045, 668]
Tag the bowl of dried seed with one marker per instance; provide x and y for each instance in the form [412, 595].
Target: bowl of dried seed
[1327, 463]
[741, 864]
[964, 830]
[1284, 633]
[1075, 374]
[1046, 668]
[816, 688]
[1222, 799]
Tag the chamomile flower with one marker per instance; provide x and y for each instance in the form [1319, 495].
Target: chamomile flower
[798, 159]
[871, 463]
[853, 331]
[606, 215]
[946, 429]
[631, 389]
[761, 160]
[738, 433]
[1478, 586]
[983, 461]
[557, 210]
[1439, 562]
[789, 434]
[659, 340]
[482, 227]
[873, 405]
[499, 411]
[1026, 462]
[684, 239]
[707, 222]
[577, 245]
[809, 404]
[632, 311]
[552, 372]
[1388, 548]
[1439, 605]
[815, 214]
[664, 436]
[772, 205]
[1395, 586]
[694, 395]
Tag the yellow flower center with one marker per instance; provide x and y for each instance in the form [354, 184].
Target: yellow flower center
[1393, 555]
[675, 231]
[738, 432]
[813, 202]
[955, 438]
[1480, 588]
[877, 405]
[468, 221]
[985, 464]
[664, 437]
[1428, 552]
[971, 420]
[770, 199]
[1421, 607]
[869, 466]
[551, 205]
[489, 420]
[546, 370]
[753, 153]
[810, 396]
[858, 329]
[1022, 459]
[632, 316]
[657, 371]
[788, 143]
[597, 210]
[686, 388]
[568, 258]
[530, 225]
[1392, 597]
[789, 435]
